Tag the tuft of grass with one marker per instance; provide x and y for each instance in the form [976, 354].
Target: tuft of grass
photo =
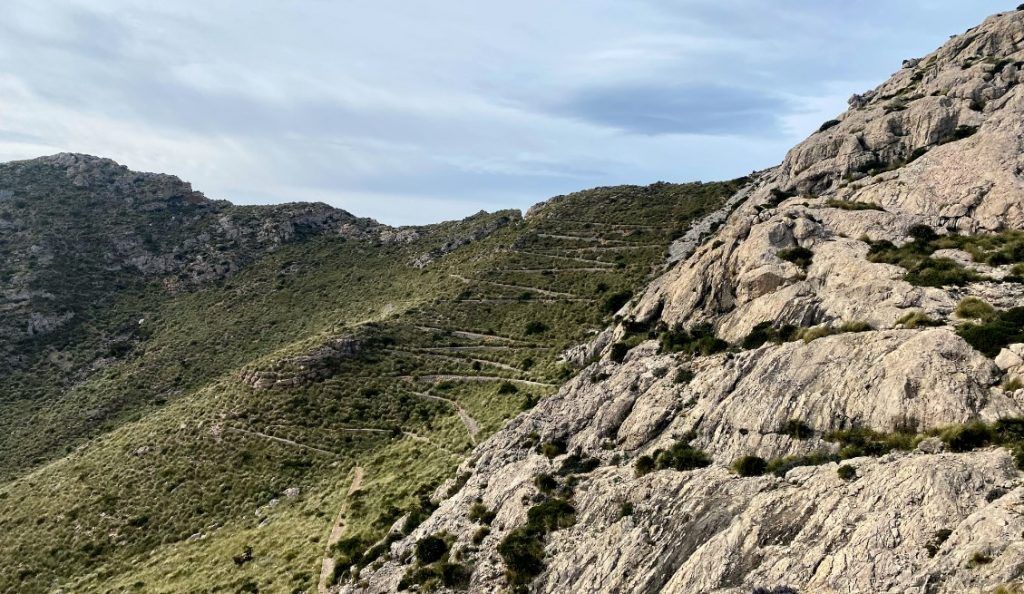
[973, 308]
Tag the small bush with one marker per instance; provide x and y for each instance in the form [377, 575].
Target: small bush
[829, 124]
[917, 319]
[846, 472]
[626, 509]
[616, 301]
[796, 429]
[481, 514]
[535, 327]
[551, 515]
[979, 558]
[963, 438]
[545, 483]
[430, 549]
[852, 205]
[507, 388]
[682, 456]
[1013, 384]
[972, 308]
[644, 465]
[523, 553]
[683, 376]
[780, 466]
[800, 256]
[1005, 328]
[750, 466]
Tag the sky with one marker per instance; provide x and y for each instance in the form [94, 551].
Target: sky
[415, 112]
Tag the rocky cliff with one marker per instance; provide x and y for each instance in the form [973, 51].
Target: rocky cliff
[823, 397]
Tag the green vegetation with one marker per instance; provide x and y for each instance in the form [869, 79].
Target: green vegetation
[917, 319]
[134, 447]
[699, 340]
[681, 456]
[846, 472]
[796, 429]
[750, 466]
[800, 256]
[999, 330]
[923, 270]
[853, 205]
[857, 442]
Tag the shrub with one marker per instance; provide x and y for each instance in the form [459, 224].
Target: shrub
[828, 124]
[644, 465]
[766, 332]
[523, 553]
[750, 466]
[430, 549]
[551, 515]
[545, 483]
[852, 205]
[917, 319]
[973, 308]
[963, 438]
[616, 301]
[481, 514]
[682, 456]
[922, 234]
[683, 376]
[700, 340]
[846, 472]
[797, 429]
[507, 388]
[535, 327]
[775, 590]
[990, 337]
[578, 464]
[780, 466]
[979, 558]
[1013, 384]
[800, 256]
[626, 509]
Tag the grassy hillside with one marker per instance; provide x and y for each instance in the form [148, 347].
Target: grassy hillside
[232, 435]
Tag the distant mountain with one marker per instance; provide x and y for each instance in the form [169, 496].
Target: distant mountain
[203, 397]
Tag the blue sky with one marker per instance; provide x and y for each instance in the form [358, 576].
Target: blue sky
[414, 112]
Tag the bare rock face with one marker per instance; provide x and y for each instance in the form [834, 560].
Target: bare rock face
[939, 145]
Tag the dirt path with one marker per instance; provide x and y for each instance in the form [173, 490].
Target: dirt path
[472, 427]
[426, 353]
[473, 378]
[468, 334]
[282, 440]
[582, 238]
[337, 529]
[570, 258]
[515, 287]
[480, 347]
[611, 225]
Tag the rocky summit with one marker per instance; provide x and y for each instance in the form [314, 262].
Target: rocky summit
[805, 381]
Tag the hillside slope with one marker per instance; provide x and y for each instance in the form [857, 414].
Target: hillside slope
[201, 397]
[826, 396]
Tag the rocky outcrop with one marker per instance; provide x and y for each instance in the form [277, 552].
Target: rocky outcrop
[937, 146]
